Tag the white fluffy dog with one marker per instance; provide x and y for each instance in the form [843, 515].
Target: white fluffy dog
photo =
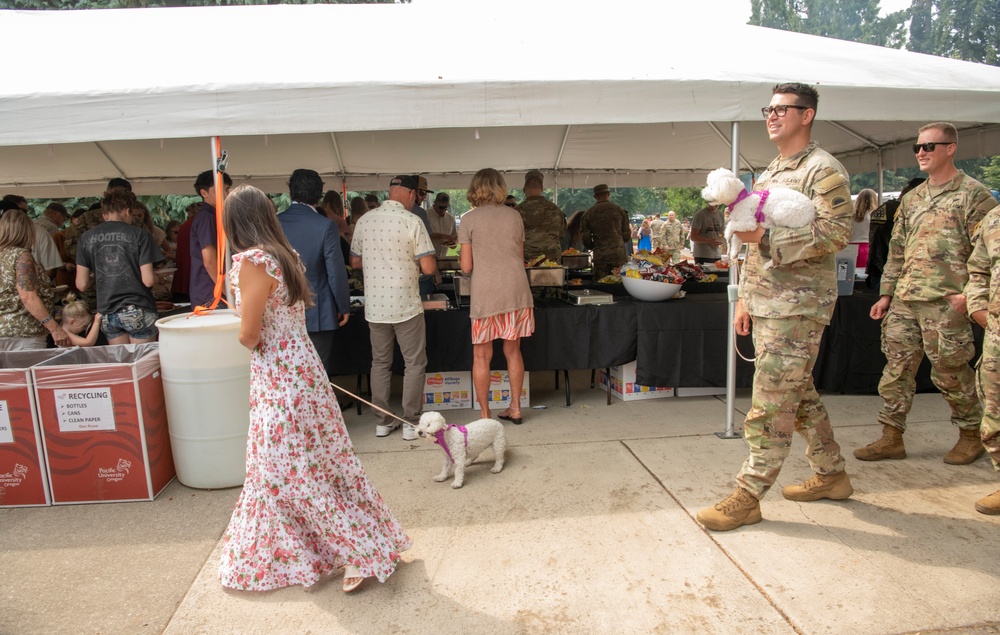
[462, 445]
[780, 207]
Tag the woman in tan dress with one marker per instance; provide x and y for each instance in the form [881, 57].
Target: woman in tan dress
[491, 237]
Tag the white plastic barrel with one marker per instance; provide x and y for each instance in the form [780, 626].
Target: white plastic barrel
[206, 384]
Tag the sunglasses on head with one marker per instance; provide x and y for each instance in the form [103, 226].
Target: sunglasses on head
[929, 146]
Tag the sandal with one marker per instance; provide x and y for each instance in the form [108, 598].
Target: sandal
[352, 578]
[508, 415]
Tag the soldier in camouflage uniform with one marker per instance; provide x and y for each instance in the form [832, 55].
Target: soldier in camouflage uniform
[789, 305]
[605, 230]
[544, 222]
[982, 293]
[922, 302]
[672, 237]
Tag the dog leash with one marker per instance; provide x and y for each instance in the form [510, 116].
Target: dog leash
[365, 401]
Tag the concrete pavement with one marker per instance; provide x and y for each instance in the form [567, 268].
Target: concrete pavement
[589, 529]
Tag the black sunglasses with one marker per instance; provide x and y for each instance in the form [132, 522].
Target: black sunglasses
[511, 204]
[929, 146]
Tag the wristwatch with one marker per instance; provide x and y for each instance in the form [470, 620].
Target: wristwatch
[46, 320]
[765, 240]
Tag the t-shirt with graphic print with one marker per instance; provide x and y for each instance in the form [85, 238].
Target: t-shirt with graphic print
[115, 251]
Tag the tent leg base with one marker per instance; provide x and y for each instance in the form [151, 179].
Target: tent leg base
[729, 435]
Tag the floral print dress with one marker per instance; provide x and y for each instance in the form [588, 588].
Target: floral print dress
[307, 507]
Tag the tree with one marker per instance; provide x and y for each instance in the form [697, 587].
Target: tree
[853, 20]
[960, 29]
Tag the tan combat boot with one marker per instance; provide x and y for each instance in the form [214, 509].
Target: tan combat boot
[740, 508]
[889, 446]
[968, 449]
[834, 486]
[989, 504]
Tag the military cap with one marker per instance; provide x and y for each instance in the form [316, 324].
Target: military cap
[602, 189]
[534, 175]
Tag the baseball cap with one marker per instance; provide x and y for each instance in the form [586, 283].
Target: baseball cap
[422, 185]
[409, 181]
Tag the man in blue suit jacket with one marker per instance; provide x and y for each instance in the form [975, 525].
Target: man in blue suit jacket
[317, 239]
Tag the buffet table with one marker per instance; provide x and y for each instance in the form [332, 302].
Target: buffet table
[676, 343]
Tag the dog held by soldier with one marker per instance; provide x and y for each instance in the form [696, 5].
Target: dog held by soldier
[462, 445]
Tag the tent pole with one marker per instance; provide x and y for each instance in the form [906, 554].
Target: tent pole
[729, 432]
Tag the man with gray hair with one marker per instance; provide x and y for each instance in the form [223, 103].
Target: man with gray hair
[393, 247]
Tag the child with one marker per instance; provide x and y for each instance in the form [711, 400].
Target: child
[76, 319]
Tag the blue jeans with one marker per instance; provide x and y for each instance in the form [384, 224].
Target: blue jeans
[137, 322]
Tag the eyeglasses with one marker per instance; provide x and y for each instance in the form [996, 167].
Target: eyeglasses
[511, 204]
[780, 110]
[929, 146]
[422, 192]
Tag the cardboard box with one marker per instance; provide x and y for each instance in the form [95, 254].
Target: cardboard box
[699, 391]
[624, 387]
[499, 397]
[104, 424]
[23, 477]
[448, 391]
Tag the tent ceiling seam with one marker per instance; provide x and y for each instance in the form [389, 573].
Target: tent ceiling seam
[121, 172]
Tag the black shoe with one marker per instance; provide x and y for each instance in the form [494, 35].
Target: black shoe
[515, 420]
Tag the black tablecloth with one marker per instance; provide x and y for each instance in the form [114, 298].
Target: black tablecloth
[675, 343]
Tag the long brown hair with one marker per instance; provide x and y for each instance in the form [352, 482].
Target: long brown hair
[867, 201]
[250, 220]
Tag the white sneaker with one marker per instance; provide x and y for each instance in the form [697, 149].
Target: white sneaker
[409, 432]
[384, 431]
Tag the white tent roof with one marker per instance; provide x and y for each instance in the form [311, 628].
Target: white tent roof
[368, 91]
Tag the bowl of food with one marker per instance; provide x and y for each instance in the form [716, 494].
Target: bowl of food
[650, 290]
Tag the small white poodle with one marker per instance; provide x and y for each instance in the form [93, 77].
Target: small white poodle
[780, 207]
[462, 445]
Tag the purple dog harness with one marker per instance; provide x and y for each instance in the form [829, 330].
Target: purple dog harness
[760, 204]
[439, 438]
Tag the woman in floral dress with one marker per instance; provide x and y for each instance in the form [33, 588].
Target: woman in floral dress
[307, 507]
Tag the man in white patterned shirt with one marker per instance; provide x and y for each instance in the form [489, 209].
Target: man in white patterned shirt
[393, 248]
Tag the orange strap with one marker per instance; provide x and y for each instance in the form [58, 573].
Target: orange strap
[220, 234]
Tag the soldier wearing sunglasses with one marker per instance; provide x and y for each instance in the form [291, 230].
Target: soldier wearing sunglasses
[922, 308]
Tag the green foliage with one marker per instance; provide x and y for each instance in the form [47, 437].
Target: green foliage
[991, 174]
[960, 29]
[853, 20]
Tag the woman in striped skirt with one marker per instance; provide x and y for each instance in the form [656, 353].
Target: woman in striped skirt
[491, 239]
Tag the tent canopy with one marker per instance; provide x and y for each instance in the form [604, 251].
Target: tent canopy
[425, 89]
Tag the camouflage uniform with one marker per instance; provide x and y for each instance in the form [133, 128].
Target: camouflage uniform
[605, 229]
[983, 293]
[88, 220]
[654, 234]
[932, 239]
[544, 224]
[672, 238]
[790, 303]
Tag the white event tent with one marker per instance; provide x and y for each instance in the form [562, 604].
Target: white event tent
[362, 92]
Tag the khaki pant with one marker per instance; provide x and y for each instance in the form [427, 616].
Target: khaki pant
[909, 330]
[412, 339]
[785, 400]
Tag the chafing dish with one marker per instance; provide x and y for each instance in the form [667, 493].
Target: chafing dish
[587, 296]
[546, 276]
[577, 261]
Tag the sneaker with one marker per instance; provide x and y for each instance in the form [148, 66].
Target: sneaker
[834, 486]
[740, 508]
[409, 432]
[384, 431]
